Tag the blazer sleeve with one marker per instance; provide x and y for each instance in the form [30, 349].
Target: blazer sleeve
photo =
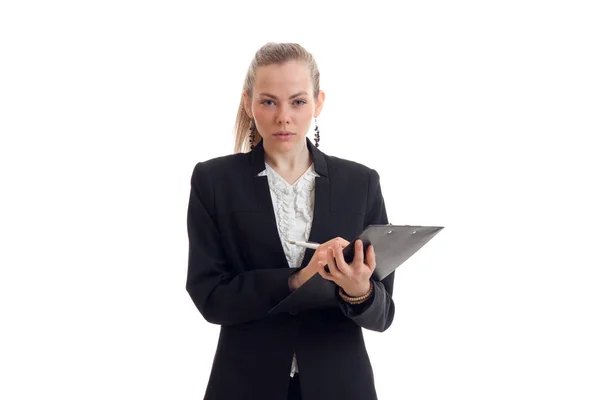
[221, 295]
[377, 313]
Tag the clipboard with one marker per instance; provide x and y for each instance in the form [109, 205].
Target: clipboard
[394, 244]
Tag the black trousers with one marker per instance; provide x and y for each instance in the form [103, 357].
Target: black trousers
[294, 388]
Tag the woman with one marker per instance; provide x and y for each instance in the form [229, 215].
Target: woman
[243, 211]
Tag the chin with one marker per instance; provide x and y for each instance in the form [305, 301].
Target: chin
[291, 142]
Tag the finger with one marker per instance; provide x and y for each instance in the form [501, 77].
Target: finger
[333, 268]
[359, 255]
[343, 242]
[320, 258]
[324, 247]
[342, 266]
[371, 258]
[325, 275]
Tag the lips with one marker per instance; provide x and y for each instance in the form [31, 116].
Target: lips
[284, 136]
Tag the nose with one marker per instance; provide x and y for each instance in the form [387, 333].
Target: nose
[283, 116]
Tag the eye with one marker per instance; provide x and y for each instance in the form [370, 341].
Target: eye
[264, 102]
[299, 102]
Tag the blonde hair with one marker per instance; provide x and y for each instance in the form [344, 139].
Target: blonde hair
[270, 53]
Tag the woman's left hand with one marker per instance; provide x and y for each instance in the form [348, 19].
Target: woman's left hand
[353, 278]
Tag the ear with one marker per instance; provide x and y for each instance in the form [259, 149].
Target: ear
[247, 104]
[319, 103]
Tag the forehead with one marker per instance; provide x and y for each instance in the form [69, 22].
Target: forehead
[292, 76]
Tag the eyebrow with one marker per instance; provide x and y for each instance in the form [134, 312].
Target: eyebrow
[291, 97]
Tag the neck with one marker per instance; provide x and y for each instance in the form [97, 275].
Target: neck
[296, 159]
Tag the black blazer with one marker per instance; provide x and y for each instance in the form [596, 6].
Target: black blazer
[238, 271]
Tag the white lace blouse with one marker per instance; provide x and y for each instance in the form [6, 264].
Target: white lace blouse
[294, 209]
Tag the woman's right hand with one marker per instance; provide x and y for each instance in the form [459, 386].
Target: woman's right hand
[318, 261]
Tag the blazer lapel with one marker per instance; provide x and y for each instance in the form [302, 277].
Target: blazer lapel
[268, 221]
[322, 213]
[266, 214]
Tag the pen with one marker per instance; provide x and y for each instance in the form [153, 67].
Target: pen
[309, 245]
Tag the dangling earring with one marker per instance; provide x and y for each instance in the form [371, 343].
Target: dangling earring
[252, 134]
[317, 134]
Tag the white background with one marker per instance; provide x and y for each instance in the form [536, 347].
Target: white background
[480, 116]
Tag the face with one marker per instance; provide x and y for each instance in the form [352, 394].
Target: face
[283, 105]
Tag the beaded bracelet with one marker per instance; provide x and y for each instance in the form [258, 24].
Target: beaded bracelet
[359, 299]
